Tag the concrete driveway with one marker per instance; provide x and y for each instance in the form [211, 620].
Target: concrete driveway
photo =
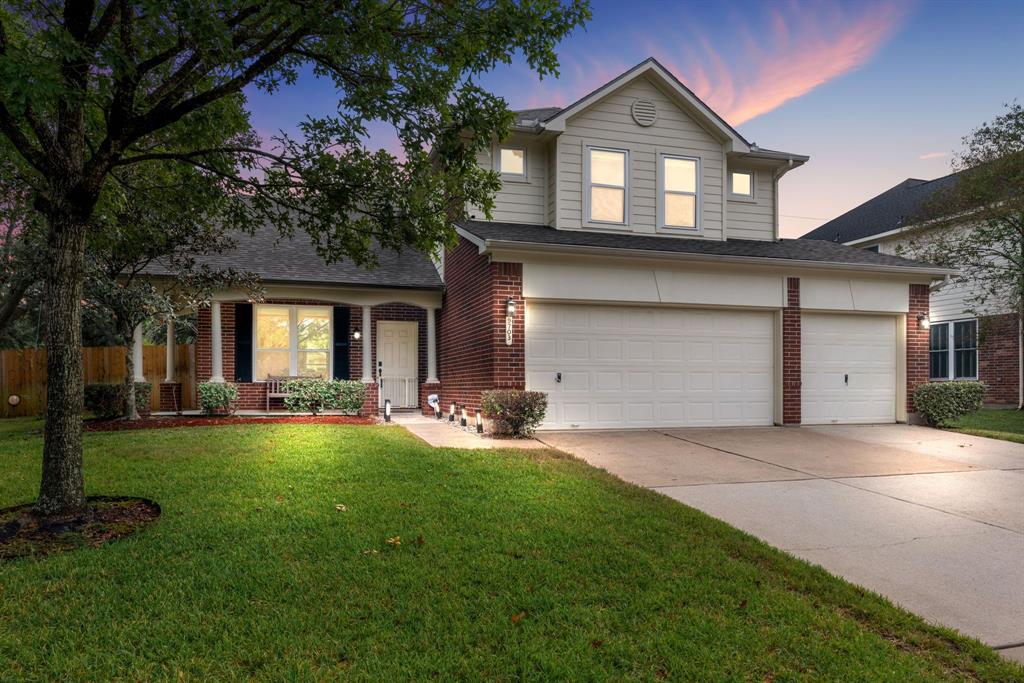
[933, 520]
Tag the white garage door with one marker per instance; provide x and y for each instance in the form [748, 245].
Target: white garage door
[649, 367]
[848, 369]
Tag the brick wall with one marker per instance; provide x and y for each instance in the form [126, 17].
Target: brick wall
[791, 354]
[472, 354]
[917, 342]
[999, 358]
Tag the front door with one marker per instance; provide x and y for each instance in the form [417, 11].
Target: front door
[397, 363]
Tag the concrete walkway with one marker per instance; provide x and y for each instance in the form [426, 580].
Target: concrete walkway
[933, 520]
[443, 434]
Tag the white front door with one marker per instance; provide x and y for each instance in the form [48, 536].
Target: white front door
[398, 362]
[848, 368]
[606, 367]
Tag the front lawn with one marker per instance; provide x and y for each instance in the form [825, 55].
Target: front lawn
[442, 564]
[1007, 425]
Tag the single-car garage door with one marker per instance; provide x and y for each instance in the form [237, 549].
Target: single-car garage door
[622, 366]
[848, 369]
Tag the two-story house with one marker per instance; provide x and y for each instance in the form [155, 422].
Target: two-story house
[968, 339]
[632, 270]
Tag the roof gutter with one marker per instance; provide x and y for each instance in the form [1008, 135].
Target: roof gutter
[486, 246]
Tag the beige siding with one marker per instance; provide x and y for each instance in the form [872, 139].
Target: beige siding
[753, 220]
[552, 191]
[520, 201]
[609, 123]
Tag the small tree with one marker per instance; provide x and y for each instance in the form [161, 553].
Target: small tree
[977, 226]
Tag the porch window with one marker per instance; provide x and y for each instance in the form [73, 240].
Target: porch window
[953, 350]
[292, 341]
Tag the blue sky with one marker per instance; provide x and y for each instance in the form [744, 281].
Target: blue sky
[874, 92]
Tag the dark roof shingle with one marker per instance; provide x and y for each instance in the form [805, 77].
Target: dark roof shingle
[817, 251]
[895, 208]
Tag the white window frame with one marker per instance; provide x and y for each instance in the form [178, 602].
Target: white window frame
[697, 204]
[293, 338]
[587, 184]
[753, 186]
[505, 175]
[951, 350]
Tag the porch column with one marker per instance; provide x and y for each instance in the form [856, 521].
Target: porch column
[169, 364]
[367, 346]
[432, 346]
[139, 376]
[216, 348]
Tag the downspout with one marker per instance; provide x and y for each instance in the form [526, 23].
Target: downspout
[775, 191]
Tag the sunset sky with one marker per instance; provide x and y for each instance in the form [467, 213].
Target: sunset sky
[874, 92]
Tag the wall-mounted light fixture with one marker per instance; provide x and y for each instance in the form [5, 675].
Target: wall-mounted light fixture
[510, 307]
[923, 322]
[387, 410]
[479, 423]
[357, 335]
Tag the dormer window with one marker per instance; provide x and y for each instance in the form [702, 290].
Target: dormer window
[512, 162]
[678, 192]
[606, 197]
[741, 184]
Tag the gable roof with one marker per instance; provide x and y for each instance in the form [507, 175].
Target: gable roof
[277, 259]
[487, 234]
[897, 207]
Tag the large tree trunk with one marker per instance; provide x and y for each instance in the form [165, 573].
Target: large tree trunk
[131, 411]
[62, 490]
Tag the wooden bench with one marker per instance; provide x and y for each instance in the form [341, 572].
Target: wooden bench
[276, 386]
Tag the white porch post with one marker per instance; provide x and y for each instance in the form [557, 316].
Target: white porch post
[139, 376]
[432, 346]
[216, 348]
[169, 364]
[367, 346]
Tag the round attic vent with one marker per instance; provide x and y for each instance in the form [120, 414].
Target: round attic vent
[643, 112]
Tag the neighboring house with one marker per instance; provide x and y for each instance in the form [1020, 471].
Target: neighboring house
[963, 344]
[632, 271]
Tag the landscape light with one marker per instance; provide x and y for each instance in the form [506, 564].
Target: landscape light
[462, 420]
[387, 410]
[479, 423]
[451, 414]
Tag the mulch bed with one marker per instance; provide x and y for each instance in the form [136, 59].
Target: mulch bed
[164, 422]
[107, 519]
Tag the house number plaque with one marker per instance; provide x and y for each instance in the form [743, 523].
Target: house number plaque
[508, 330]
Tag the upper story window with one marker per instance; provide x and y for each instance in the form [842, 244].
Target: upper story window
[958, 362]
[292, 341]
[677, 192]
[606, 185]
[741, 184]
[512, 161]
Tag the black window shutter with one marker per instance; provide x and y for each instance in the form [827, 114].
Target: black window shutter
[341, 325]
[243, 342]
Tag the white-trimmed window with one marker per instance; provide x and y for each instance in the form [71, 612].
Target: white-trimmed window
[607, 198]
[953, 350]
[291, 341]
[512, 162]
[741, 184]
[678, 195]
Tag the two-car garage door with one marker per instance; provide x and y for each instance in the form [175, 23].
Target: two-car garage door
[618, 366]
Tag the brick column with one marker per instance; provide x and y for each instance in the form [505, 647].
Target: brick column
[791, 347]
[170, 397]
[371, 401]
[917, 342]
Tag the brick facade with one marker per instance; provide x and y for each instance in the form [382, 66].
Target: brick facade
[253, 396]
[472, 353]
[999, 358]
[917, 342]
[791, 354]
[170, 396]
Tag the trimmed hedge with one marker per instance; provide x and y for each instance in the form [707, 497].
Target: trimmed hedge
[218, 398]
[514, 412]
[314, 394]
[108, 400]
[941, 403]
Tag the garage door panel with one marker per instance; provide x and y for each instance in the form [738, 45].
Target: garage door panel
[848, 368]
[650, 367]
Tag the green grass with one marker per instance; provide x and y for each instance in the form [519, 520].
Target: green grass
[1007, 425]
[533, 566]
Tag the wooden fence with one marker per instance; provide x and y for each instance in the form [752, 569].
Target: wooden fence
[23, 372]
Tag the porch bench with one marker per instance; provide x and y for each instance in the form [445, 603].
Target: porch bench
[276, 386]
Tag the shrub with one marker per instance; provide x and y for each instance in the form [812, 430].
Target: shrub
[217, 398]
[313, 395]
[108, 400]
[514, 412]
[941, 403]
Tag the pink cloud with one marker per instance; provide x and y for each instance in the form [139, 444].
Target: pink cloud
[933, 155]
